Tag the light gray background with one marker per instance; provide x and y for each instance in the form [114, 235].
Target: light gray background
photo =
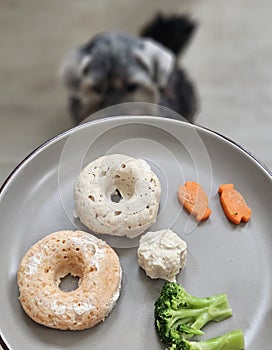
[229, 59]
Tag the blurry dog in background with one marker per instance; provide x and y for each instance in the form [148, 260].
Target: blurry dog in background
[114, 68]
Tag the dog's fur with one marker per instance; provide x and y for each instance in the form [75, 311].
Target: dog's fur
[115, 68]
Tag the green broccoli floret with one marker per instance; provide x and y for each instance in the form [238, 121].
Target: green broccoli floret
[230, 341]
[180, 315]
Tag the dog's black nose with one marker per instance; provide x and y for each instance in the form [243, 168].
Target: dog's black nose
[113, 97]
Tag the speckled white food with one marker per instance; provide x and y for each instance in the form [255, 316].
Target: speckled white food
[137, 183]
[53, 257]
[162, 254]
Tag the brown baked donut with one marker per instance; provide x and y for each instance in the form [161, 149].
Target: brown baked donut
[79, 254]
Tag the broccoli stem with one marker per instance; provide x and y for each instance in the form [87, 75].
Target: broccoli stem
[230, 341]
[217, 311]
[197, 318]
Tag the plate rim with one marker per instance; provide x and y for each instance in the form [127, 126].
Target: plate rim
[133, 119]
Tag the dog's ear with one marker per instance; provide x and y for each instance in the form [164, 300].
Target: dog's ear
[73, 69]
[157, 60]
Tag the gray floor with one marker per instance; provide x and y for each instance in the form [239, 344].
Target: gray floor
[229, 59]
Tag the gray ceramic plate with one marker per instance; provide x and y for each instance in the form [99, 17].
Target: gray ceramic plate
[37, 200]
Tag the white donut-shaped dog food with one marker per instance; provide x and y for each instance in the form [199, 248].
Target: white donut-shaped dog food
[137, 185]
[57, 255]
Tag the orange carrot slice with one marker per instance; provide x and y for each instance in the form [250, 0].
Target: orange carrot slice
[194, 199]
[233, 204]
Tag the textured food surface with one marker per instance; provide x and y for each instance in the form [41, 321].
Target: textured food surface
[54, 257]
[234, 204]
[139, 193]
[194, 199]
[162, 254]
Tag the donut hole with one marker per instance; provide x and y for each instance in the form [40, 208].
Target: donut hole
[69, 271]
[69, 283]
[124, 183]
[116, 196]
